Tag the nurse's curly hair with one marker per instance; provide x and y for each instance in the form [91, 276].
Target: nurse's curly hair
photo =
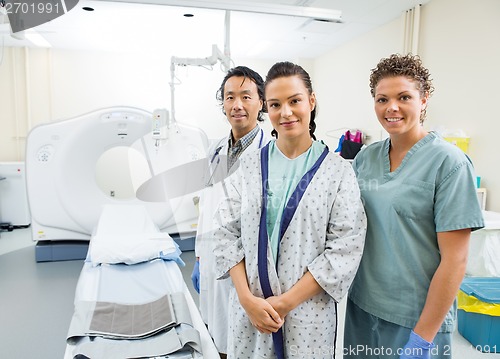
[287, 69]
[409, 66]
[246, 73]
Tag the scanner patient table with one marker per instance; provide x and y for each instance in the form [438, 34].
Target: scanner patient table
[134, 310]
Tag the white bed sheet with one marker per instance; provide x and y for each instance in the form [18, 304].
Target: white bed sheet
[145, 282]
[127, 234]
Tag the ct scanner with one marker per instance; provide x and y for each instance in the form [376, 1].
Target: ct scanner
[75, 166]
[76, 170]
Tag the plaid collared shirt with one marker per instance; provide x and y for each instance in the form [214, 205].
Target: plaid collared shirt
[235, 150]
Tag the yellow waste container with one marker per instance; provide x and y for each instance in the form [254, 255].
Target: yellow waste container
[479, 312]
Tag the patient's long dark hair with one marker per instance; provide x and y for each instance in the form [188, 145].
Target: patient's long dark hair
[287, 69]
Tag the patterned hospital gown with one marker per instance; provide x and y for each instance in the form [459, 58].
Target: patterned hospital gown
[325, 237]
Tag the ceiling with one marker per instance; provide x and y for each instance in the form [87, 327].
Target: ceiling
[159, 29]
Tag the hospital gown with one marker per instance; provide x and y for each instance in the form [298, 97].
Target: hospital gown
[325, 237]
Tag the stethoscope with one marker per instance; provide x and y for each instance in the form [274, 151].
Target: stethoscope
[216, 155]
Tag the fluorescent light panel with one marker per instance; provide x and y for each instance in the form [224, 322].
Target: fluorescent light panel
[329, 15]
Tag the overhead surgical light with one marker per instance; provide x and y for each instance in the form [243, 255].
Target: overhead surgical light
[328, 15]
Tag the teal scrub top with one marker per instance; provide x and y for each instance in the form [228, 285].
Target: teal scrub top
[433, 190]
[284, 175]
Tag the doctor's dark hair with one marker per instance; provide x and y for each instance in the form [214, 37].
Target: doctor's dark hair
[246, 73]
[409, 66]
[288, 69]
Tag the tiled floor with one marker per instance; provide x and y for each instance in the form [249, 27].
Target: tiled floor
[36, 302]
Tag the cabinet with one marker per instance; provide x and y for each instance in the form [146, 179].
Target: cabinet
[13, 198]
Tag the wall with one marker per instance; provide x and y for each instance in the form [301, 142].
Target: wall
[459, 44]
[13, 104]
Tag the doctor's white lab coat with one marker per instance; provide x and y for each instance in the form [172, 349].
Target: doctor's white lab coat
[214, 294]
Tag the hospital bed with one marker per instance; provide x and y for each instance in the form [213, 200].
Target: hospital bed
[81, 175]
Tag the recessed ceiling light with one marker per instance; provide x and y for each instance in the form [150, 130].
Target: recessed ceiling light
[88, 8]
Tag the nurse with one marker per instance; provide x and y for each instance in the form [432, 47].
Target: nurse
[421, 204]
[291, 233]
[241, 95]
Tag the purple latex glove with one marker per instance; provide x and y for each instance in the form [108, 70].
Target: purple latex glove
[195, 276]
[417, 348]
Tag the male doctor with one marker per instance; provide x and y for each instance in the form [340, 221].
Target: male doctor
[241, 96]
